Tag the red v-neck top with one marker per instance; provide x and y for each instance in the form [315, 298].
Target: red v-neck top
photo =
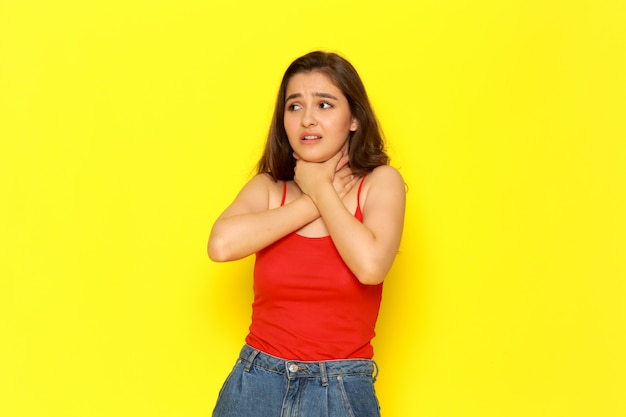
[308, 305]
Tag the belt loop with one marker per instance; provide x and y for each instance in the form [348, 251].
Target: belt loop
[250, 359]
[376, 369]
[324, 374]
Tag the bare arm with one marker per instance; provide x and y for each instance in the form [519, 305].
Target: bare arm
[368, 248]
[249, 225]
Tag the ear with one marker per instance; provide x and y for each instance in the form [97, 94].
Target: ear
[354, 124]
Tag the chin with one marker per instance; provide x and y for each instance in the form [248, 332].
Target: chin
[317, 156]
[317, 159]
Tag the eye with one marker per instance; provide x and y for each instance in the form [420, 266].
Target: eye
[293, 107]
[325, 105]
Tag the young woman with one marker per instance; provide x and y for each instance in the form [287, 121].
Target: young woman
[324, 217]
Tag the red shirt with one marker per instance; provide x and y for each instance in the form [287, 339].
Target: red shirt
[308, 305]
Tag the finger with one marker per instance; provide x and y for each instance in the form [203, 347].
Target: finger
[343, 169]
[338, 160]
[349, 179]
[343, 162]
[344, 173]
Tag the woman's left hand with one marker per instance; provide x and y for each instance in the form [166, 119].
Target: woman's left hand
[309, 176]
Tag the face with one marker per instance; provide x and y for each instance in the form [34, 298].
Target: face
[317, 117]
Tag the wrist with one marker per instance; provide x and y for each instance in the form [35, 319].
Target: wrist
[308, 206]
[324, 191]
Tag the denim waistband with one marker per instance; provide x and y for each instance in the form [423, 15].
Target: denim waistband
[307, 369]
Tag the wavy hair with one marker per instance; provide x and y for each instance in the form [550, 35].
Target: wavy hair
[366, 144]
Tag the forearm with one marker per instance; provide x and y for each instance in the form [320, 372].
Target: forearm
[240, 235]
[362, 252]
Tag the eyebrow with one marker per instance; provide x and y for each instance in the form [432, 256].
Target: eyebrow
[323, 95]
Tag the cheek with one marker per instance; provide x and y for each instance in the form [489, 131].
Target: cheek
[340, 126]
[292, 132]
[289, 124]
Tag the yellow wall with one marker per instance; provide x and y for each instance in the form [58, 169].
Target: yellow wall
[126, 127]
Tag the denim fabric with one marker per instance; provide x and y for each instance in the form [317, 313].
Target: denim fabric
[262, 385]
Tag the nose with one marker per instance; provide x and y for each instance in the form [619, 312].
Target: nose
[308, 117]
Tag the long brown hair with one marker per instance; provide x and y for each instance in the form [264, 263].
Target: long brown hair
[366, 144]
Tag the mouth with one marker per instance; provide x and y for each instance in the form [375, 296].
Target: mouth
[310, 137]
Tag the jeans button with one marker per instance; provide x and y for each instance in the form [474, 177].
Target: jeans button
[293, 367]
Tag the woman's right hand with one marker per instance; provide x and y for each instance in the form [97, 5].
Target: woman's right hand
[308, 174]
[344, 180]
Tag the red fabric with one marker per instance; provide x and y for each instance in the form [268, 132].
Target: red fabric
[307, 303]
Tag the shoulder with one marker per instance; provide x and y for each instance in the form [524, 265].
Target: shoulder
[384, 176]
[256, 192]
[263, 179]
[384, 185]
[386, 172]
[262, 182]
[263, 185]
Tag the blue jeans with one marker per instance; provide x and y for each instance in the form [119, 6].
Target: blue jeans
[261, 385]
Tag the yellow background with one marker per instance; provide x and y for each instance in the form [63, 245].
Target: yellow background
[127, 126]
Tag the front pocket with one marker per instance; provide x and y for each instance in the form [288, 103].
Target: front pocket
[359, 397]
